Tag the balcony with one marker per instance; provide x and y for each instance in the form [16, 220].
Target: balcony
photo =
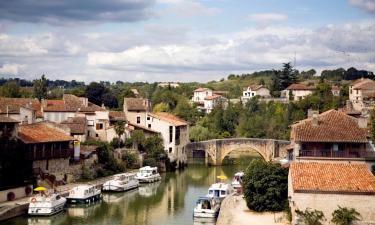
[328, 153]
[49, 154]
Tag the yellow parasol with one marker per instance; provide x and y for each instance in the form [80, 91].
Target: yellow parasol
[40, 189]
[222, 177]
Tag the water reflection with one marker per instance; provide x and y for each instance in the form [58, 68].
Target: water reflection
[168, 202]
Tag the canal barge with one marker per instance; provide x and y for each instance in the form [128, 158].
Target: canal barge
[148, 174]
[121, 182]
[46, 205]
[84, 194]
[207, 207]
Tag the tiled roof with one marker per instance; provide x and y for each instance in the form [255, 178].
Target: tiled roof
[333, 126]
[13, 105]
[212, 97]
[117, 116]
[41, 133]
[71, 103]
[170, 118]
[364, 84]
[6, 119]
[136, 104]
[200, 89]
[77, 125]
[332, 177]
[134, 126]
[299, 87]
[255, 87]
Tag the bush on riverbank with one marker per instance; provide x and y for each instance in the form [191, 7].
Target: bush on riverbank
[265, 186]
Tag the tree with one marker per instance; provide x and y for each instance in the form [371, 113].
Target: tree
[265, 186]
[345, 216]
[40, 88]
[120, 128]
[110, 100]
[154, 146]
[199, 133]
[11, 89]
[95, 91]
[311, 217]
[161, 107]
[138, 138]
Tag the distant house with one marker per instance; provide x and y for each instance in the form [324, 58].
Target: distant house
[136, 110]
[331, 135]
[168, 84]
[200, 94]
[255, 90]
[77, 127]
[297, 92]
[325, 186]
[175, 134]
[21, 109]
[362, 94]
[210, 102]
[335, 90]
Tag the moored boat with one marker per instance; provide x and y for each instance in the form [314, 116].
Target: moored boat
[148, 174]
[207, 207]
[46, 204]
[121, 182]
[237, 180]
[219, 190]
[83, 194]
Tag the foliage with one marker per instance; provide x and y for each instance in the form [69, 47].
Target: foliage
[117, 143]
[40, 88]
[154, 146]
[99, 94]
[131, 160]
[119, 128]
[129, 143]
[150, 162]
[10, 89]
[199, 133]
[107, 159]
[265, 186]
[161, 107]
[187, 111]
[345, 216]
[138, 137]
[311, 217]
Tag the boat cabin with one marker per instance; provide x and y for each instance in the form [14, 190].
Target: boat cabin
[218, 190]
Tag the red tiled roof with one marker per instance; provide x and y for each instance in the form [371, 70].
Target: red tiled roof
[41, 133]
[331, 177]
[136, 104]
[6, 119]
[200, 89]
[212, 97]
[333, 126]
[255, 87]
[364, 84]
[71, 103]
[13, 105]
[170, 118]
[299, 87]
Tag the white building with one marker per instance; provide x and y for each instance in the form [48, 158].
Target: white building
[175, 134]
[168, 84]
[335, 91]
[297, 92]
[210, 102]
[362, 94]
[200, 94]
[255, 90]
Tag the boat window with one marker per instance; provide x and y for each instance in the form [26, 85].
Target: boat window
[58, 197]
[217, 193]
[223, 192]
[210, 192]
[206, 204]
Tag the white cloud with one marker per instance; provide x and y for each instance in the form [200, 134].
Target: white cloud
[368, 5]
[265, 19]
[10, 69]
[188, 8]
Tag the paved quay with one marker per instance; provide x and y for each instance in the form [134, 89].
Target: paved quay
[233, 211]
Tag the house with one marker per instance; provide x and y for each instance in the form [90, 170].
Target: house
[168, 84]
[136, 110]
[77, 126]
[255, 90]
[297, 92]
[21, 109]
[362, 94]
[335, 90]
[331, 135]
[200, 94]
[175, 134]
[325, 186]
[8, 129]
[210, 102]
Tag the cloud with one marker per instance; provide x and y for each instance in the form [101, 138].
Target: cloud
[188, 8]
[367, 5]
[267, 18]
[72, 11]
[10, 69]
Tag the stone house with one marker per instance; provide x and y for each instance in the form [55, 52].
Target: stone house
[362, 94]
[331, 135]
[325, 186]
[255, 90]
[210, 102]
[175, 134]
[297, 92]
[136, 110]
[21, 109]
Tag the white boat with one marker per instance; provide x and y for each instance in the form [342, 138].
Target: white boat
[121, 182]
[84, 194]
[219, 190]
[46, 205]
[237, 180]
[207, 207]
[148, 174]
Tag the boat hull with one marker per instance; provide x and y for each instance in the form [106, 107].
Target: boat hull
[148, 179]
[46, 211]
[205, 214]
[89, 199]
[114, 188]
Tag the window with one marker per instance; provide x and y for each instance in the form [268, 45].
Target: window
[170, 134]
[170, 150]
[97, 135]
[357, 92]
[90, 123]
[335, 147]
[138, 119]
[148, 118]
[177, 135]
[99, 126]
[88, 133]
[149, 126]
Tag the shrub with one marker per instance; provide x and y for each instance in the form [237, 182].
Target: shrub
[150, 162]
[117, 143]
[131, 160]
[129, 143]
[265, 186]
[311, 217]
[345, 216]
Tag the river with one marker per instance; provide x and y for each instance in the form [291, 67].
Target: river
[168, 202]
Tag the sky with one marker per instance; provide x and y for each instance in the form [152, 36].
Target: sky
[181, 40]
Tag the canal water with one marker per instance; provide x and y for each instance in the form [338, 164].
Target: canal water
[168, 202]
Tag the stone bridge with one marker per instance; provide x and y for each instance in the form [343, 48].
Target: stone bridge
[217, 149]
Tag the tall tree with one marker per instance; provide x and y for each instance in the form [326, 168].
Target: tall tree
[11, 89]
[40, 88]
[95, 91]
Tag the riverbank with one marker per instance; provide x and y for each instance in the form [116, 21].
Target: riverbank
[234, 211]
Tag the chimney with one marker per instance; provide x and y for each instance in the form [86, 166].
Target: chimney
[315, 121]
[311, 112]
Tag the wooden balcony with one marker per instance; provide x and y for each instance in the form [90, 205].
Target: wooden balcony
[329, 153]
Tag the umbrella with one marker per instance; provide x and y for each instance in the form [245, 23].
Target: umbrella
[40, 189]
[222, 177]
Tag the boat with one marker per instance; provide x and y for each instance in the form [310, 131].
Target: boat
[46, 204]
[237, 180]
[219, 190]
[148, 174]
[84, 194]
[121, 182]
[206, 207]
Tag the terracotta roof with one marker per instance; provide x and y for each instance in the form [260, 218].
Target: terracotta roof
[333, 126]
[212, 97]
[117, 116]
[71, 103]
[13, 105]
[364, 84]
[255, 87]
[331, 177]
[136, 104]
[6, 119]
[77, 125]
[170, 118]
[299, 87]
[41, 133]
[200, 89]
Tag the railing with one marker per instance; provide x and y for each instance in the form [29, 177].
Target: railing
[336, 154]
